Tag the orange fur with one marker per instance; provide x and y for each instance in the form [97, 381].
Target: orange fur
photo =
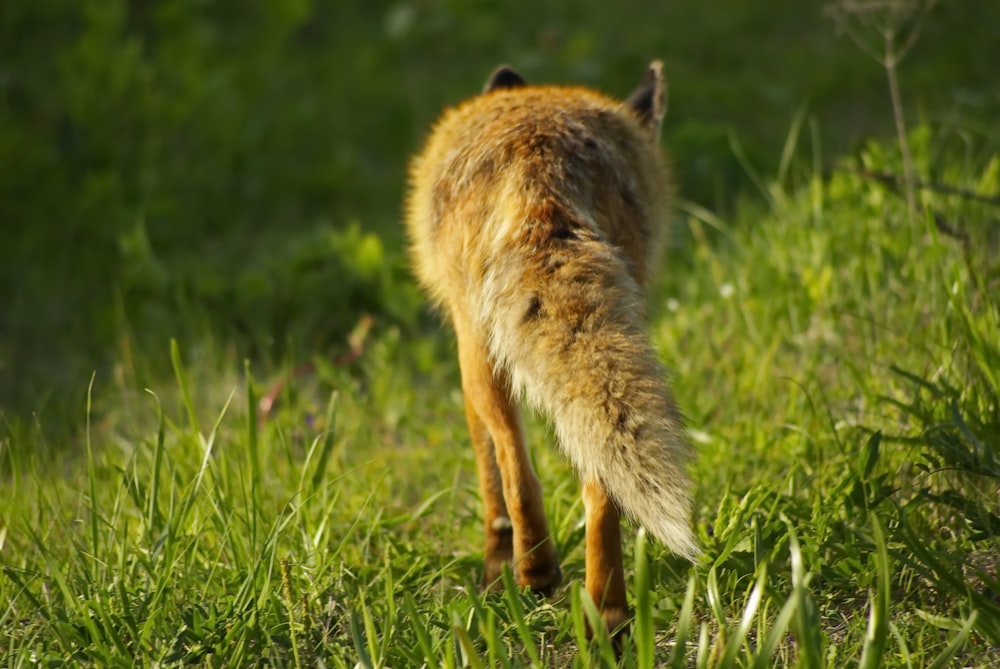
[536, 215]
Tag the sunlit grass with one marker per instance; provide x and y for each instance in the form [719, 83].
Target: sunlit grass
[838, 366]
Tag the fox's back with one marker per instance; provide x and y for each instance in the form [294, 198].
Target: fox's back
[506, 160]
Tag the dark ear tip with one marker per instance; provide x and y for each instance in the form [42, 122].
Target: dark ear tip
[503, 77]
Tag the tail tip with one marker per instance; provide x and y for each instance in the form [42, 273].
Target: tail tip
[679, 538]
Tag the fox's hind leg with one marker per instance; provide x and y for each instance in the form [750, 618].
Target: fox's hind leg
[516, 527]
[499, 530]
[605, 577]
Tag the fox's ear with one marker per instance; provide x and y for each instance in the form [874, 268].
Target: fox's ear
[503, 77]
[649, 99]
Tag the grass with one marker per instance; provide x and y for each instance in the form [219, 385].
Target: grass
[197, 185]
[838, 364]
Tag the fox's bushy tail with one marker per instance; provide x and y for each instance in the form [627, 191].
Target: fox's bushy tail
[567, 321]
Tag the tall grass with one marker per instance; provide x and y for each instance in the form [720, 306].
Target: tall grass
[839, 367]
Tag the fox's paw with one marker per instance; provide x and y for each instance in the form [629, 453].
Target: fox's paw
[539, 570]
[493, 572]
[499, 552]
[616, 620]
[540, 580]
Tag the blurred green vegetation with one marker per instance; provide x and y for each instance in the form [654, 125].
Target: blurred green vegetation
[231, 172]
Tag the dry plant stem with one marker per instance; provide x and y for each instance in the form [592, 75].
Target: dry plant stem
[900, 121]
[356, 341]
[869, 14]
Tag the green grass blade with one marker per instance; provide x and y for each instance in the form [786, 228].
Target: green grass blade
[290, 605]
[600, 639]
[360, 641]
[513, 598]
[878, 615]
[704, 648]
[736, 147]
[957, 641]
[791, 142]
[92, 483]
[579, 618]
[253, 446]
[807, 623]
[469, 654]
[329, 440]
[154, 519]
[642, 630]
[371, 635]
[715, 597]
[678, 655]
[389, 620]
[765, 651]
[419, 629]
[871, 455]
[904, 649]
[182, 384]
[739, 636]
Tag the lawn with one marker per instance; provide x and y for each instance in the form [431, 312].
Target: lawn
[197, 197]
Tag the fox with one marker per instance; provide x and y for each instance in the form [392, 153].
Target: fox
[535, 216]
